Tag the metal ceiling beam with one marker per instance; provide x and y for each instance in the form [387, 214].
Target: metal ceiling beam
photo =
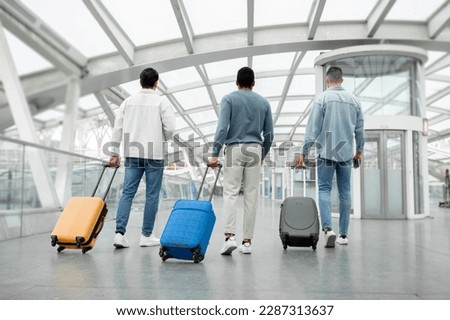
[377, 16]
[437, 96]
[250, 22]
[438, 65]
[112, 29]
[439, 20]
[438, 110]
[184, 24]
[439, 136]
[438, 119]
[203, 75]
[39, 36]
[111, 70]
[296, 62]
[314, 17]
[106, 107]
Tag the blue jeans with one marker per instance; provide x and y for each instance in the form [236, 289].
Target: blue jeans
[134, 169]
[325, 172]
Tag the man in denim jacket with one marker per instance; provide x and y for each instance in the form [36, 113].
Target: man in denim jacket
[336, 123]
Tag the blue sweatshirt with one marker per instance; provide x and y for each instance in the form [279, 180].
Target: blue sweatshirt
[245, 117]
[336, 121]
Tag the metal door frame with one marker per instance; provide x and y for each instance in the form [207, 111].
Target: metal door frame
[382, 159]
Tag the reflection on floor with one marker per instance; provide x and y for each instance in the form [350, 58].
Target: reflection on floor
[384, 260]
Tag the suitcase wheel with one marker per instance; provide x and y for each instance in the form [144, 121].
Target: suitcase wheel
[54, 240]
[284, 241]
[86, 249]
[79, 240]
[196, 256]
[60, 248]
[163, 254]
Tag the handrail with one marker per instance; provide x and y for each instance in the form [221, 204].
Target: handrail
[39, 146]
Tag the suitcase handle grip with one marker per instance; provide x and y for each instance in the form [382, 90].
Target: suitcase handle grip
[105, 165]
[215, 182]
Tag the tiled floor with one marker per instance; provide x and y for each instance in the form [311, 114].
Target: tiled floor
[384, 260]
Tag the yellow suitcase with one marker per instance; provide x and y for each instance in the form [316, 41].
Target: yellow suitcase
[81, 220]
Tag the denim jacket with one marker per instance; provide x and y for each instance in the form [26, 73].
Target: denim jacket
[335, 123]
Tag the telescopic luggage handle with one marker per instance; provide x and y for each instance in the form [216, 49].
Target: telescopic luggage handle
[105, 165]
[215, 182]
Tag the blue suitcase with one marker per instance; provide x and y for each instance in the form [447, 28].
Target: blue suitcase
[189, 227]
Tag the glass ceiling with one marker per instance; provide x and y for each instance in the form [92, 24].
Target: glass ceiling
[198, 46]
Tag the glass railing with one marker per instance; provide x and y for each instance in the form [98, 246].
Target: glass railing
[21, 212]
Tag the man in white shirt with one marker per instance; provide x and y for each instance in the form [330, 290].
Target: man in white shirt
[144, 122]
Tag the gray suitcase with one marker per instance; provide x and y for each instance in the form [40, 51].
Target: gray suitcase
[299, 222]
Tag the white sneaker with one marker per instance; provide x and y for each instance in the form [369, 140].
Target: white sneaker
[330, 239]
[342, 241]
[229, 246]
[120, 241]
[245, 248]
[149, 241]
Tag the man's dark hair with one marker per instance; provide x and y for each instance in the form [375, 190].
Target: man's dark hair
[149, 76]
[245, 77]
[335, 74]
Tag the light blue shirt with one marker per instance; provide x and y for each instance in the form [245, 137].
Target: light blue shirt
[245, 117]
[335, 124]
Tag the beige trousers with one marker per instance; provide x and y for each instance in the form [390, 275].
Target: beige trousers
[242, 166]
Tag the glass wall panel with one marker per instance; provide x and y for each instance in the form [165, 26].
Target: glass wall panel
[384, 84]
[372, 177]
[395, 164]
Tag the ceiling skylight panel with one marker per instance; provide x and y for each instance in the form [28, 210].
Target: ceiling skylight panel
[282, 130]
[269, 87]
[203, 117]
[49, 115]
[208, 130]
[216, 15]
[73, 21]
[190, 99]
[433, 56]
[432, 87]
[26, 60]
[298, 106]
[269, 12]
[444, 72]
[145, 21]
[443, 125]
[88, 102]
[273, 62]
[180, 123]
[225, 68]
[303, 85]
[179, 77]
[220, 90]
[413, 10]
[286, 120]
[308, 59]
[347, 10]
[443, 103]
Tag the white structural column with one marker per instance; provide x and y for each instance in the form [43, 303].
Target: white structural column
[25, 126]
[63, 182]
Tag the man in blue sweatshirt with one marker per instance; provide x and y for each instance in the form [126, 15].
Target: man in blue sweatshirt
[335, 125]
[245, 127]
